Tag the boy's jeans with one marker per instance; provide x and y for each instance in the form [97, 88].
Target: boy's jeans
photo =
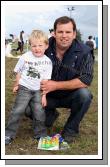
[25, 96]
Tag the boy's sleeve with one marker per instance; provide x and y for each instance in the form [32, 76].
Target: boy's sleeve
[19, 66]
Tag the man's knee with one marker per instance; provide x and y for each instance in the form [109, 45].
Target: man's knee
[84, 95]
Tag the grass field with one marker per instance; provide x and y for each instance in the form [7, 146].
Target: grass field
[24, 144]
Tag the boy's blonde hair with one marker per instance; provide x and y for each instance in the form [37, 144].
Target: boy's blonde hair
[39, 35]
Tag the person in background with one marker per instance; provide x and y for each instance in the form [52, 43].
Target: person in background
[8, 48]
[51, 33]
[20, 42]
[91, 43]
[32, 67]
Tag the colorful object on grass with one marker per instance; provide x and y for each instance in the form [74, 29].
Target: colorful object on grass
[49, 143]
[52, 143]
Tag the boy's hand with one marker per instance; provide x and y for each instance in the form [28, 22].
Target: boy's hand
[15, 89]
[44, 101]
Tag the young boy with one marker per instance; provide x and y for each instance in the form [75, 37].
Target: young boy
[31, 68]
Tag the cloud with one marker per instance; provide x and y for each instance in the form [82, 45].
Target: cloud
[29, 16]
[31, 8]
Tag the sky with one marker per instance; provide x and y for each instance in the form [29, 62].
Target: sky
[29, 17]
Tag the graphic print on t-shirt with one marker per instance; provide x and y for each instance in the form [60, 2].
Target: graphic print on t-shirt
[32, 72]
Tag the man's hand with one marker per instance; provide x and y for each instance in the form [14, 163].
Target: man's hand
[48, 86]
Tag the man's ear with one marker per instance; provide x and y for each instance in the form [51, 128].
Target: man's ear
[74, 34]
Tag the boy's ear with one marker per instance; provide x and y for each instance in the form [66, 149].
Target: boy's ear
[47, 46]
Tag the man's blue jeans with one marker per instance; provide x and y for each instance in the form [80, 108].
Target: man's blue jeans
[78, 101]
[23, 98]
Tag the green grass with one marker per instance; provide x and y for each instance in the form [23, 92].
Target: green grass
[24, 144]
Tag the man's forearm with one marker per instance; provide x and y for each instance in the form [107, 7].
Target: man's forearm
[70, 85]
[50, 85]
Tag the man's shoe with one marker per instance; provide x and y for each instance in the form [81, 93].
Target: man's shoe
[8, 140]
[69, 138]
[50, 118]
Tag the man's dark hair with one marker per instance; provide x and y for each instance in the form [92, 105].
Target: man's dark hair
[64, 20]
